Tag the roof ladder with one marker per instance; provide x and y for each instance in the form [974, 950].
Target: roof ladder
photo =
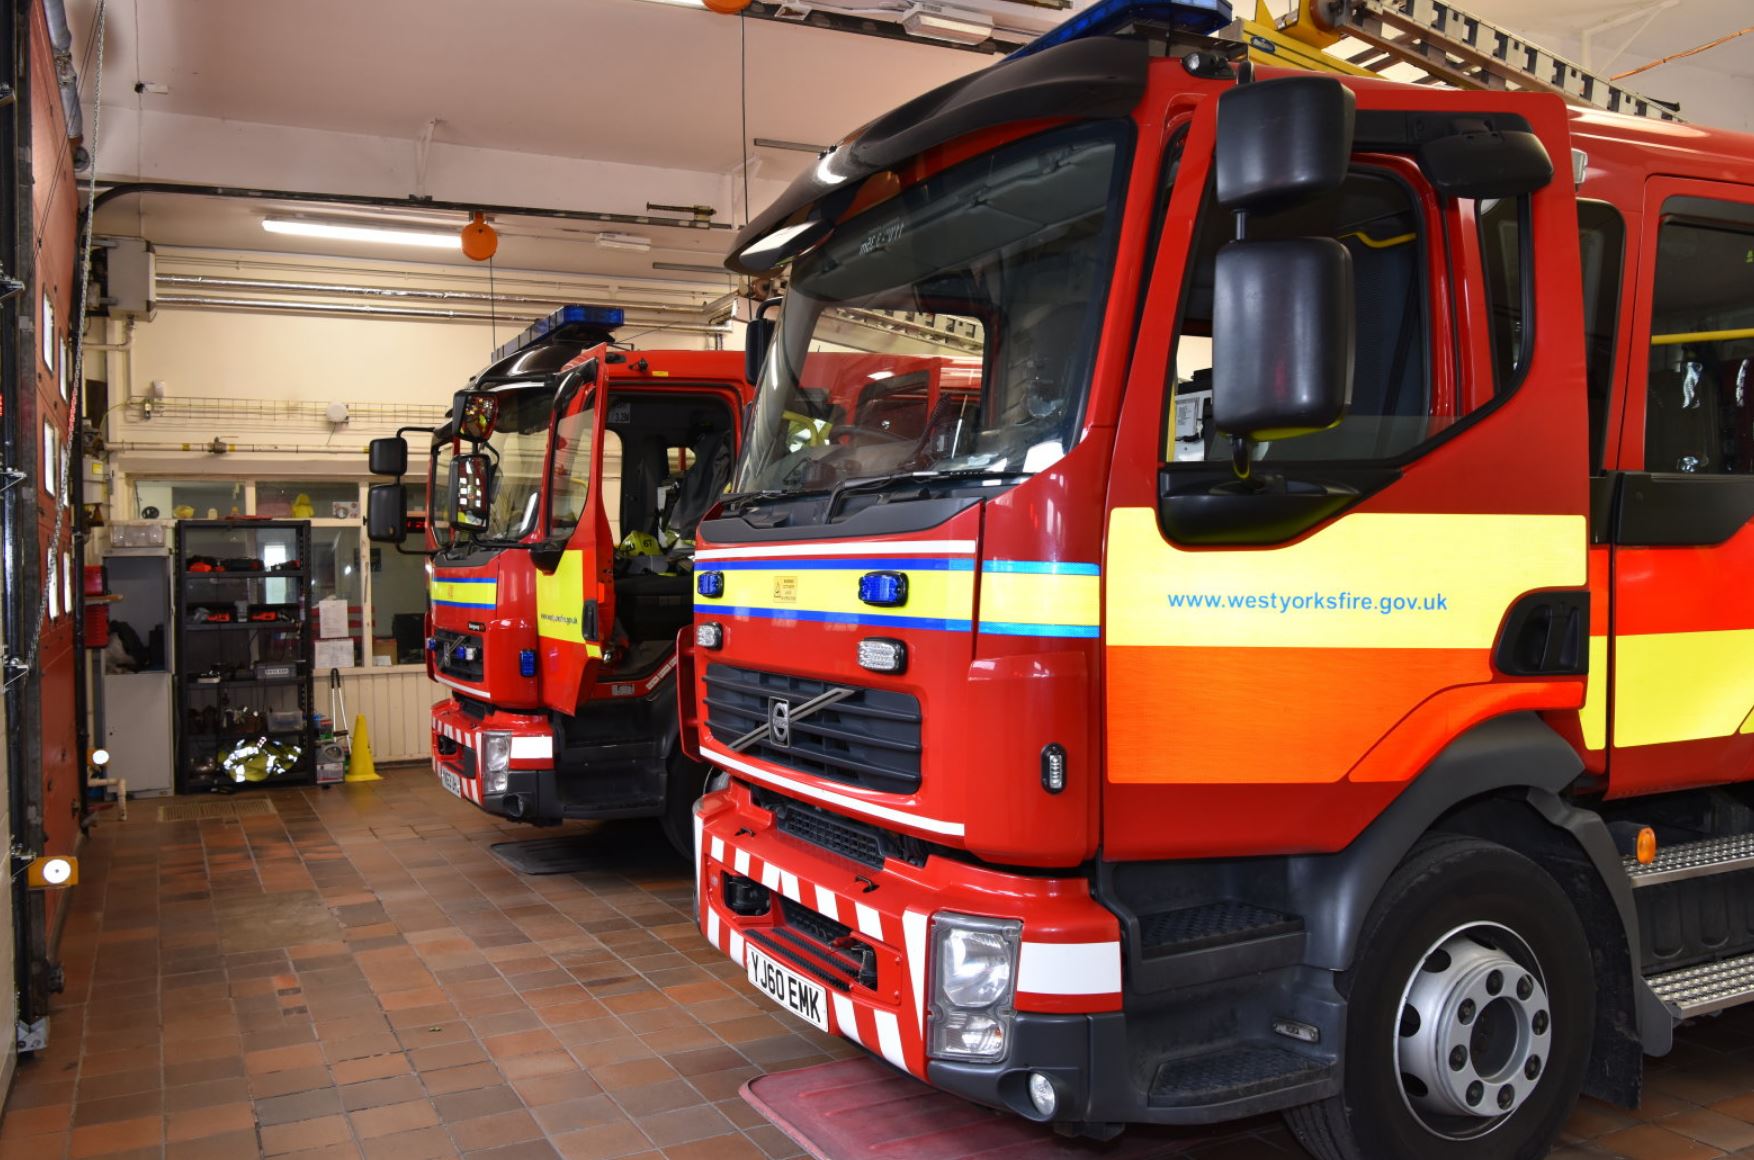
[1446, 43]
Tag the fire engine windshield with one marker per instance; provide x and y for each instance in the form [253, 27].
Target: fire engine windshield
[947, 333]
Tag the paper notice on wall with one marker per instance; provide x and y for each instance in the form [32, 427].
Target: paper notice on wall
[333, 654]
[331, 617]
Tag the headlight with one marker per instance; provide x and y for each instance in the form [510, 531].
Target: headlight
[974, 968]
[496, 758]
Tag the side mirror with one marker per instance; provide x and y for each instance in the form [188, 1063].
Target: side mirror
[386, 509]
[1282, 337]
[471, 490]
[1282, 141]
[1486, 163]
[757, 337]
[477, 412]
[389, 455]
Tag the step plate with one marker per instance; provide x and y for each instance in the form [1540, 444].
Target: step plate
[1711, 987]
[1693, 860]
[1238, 1072]
[1213, 924]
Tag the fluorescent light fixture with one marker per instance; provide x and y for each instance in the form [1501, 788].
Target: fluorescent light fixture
[347, 232]
[879, 376]
[968, 29]
[614, 241]
[793, 146]
[690, 268]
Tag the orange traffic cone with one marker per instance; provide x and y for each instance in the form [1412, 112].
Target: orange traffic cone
[359, 761]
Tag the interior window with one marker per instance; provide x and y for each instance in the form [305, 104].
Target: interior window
[1503, 226]
[1699, 412]
[1375, 217]
[570, 471]
[1601, 246]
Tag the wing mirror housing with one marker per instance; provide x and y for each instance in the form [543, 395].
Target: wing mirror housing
[1486, 163]
[1282, 324]
[388, 456]
[386, 511]
[477, 413]
[757, 337]
[1282, 330]
[1281, 142]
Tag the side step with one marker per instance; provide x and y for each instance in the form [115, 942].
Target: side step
[1260, 1075]
[1693, 860]
[1706, 988]
[1215, 940]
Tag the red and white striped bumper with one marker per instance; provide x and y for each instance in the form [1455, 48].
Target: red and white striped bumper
[456, 745]
[1069, 962]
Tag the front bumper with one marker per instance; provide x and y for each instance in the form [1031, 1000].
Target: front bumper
[1068, 971]
[456, 761]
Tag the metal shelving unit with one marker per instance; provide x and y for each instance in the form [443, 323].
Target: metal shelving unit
[229, 651]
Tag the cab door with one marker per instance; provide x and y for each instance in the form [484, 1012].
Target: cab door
[1683, 526]
[1278, 670]
[575, 565]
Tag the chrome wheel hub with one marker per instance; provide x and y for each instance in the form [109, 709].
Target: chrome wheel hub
[1474, 1032]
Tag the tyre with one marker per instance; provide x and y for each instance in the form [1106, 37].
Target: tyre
[1471, 1005]
[682, 788]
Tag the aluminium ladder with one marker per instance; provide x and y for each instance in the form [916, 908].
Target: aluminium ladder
[1447, 44]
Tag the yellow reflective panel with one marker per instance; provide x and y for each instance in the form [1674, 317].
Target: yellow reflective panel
[1369, 580]
[1682, 686]
[560, 599]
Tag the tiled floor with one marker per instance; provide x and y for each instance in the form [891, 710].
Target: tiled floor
[357, 976]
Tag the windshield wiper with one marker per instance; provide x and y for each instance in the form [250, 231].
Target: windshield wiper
[883, 482]
[741, 500]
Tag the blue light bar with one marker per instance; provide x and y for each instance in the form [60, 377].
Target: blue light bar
[526, 662]
[598, 317]
[1201, 17]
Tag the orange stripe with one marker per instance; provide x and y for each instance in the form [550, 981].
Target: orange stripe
[1222, 715]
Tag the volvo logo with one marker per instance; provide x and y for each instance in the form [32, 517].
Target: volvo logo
[779, 722]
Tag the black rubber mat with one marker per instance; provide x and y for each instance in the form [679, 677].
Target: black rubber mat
[621, 848]
[552, 855]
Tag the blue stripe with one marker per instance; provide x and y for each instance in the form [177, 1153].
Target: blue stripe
[846, 563]
[462, 604]
[441, 578]
[872, 619]
[1042, 567]
[1006, 628]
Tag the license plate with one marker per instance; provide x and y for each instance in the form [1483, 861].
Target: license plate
[451, 781]
[807, 1000]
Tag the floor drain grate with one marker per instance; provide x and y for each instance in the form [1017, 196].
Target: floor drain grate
[201, 811]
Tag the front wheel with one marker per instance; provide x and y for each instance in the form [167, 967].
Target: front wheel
[683, 784]
[1471, 1006]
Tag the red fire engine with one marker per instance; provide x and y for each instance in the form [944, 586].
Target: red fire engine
[565, 491]
[1308, 666]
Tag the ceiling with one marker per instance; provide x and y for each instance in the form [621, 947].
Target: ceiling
[579, 83]
[613, 80]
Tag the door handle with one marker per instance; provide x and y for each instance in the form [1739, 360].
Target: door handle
[1546, 635]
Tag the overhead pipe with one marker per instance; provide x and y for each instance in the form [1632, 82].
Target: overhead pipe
[360, 309]
[427, 205]
[61, 40]
[343, 289]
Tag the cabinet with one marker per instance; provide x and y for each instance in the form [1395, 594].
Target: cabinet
[243, 654]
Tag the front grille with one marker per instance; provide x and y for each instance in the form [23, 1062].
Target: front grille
[820, 946]
[858, 841]
[445, 645]
[870, 739]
